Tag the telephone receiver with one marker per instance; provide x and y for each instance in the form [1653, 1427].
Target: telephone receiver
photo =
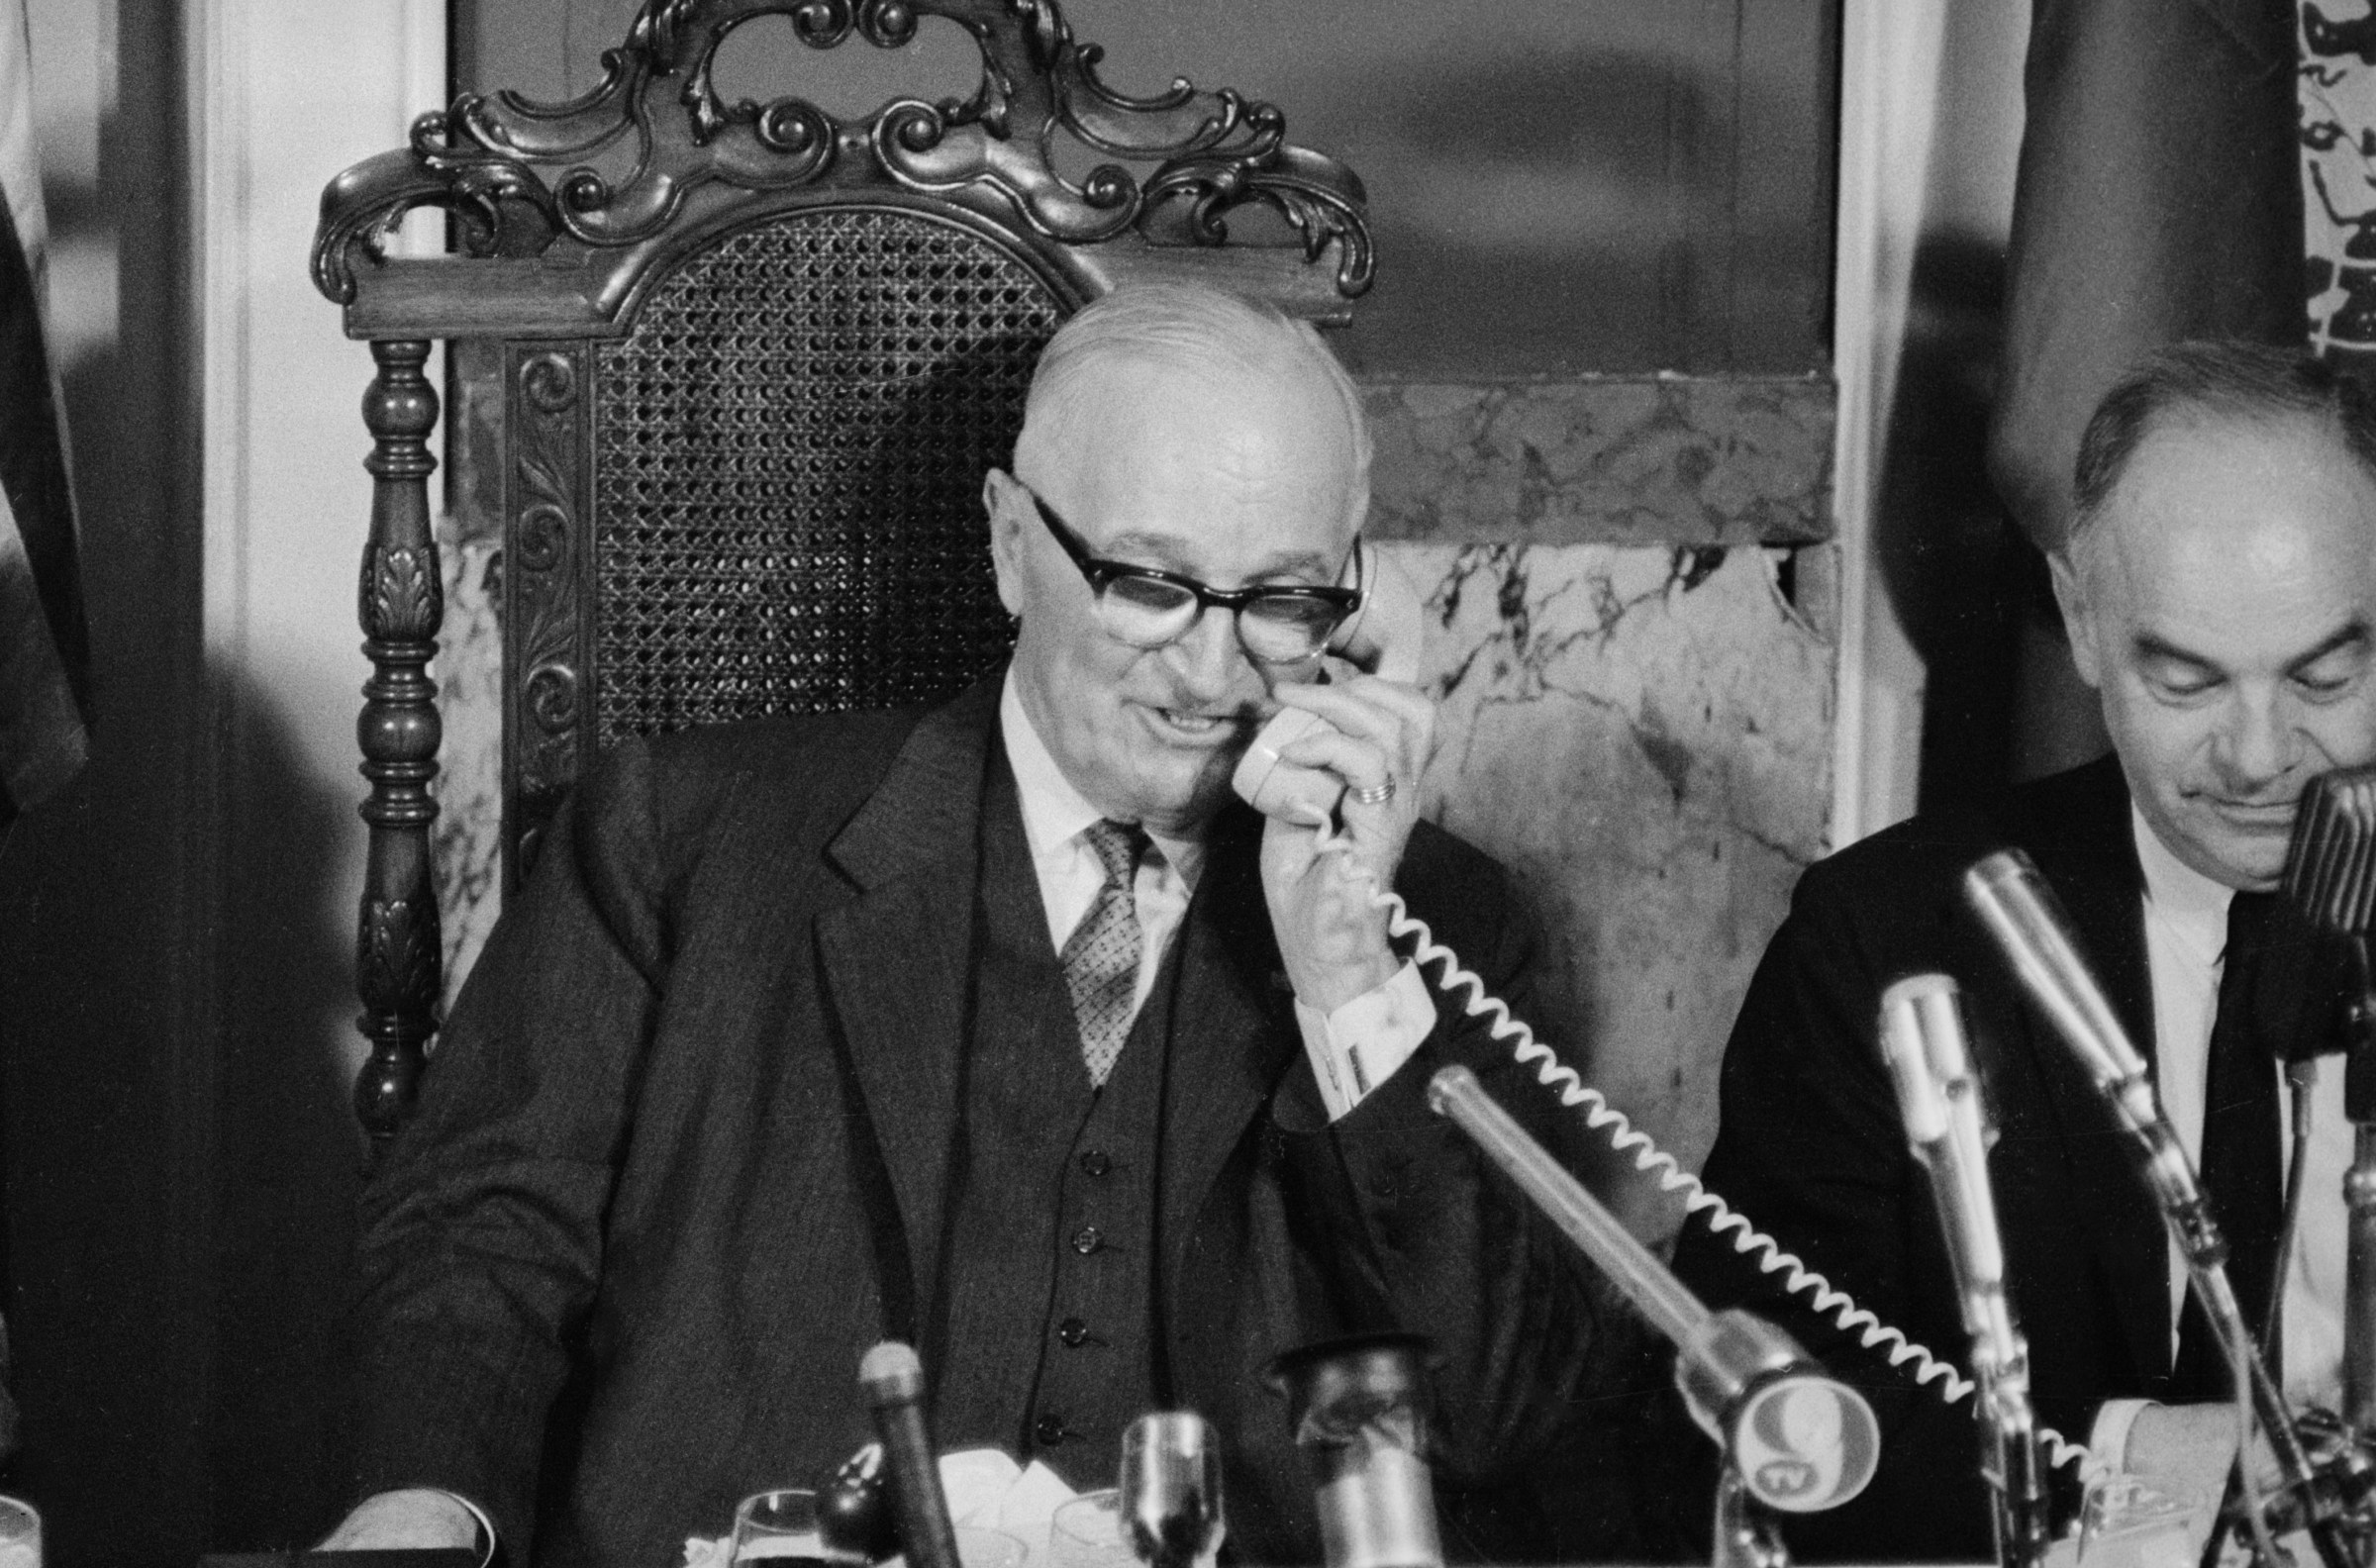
[1382, 638]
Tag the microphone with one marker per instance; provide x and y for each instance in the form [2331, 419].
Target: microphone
[2330, 877]
[2021, 912]
[1922, 1036]
[1170, 1494]
[1799, 1440]
[2331, 859]
[894, 1382]
[2023, 915]
[1355, 1409]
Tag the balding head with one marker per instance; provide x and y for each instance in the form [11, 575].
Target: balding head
[2227, 384]
[2220, 593]
[1183, 336]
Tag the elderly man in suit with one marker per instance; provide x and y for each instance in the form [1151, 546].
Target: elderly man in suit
[1002, 1028]
[2220, 589]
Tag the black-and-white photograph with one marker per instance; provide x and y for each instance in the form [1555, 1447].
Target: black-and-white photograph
[1205, 783]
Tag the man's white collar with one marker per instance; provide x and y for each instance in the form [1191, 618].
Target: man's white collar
[1055, 812]
[2194, 906]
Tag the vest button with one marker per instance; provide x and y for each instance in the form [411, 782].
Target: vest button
[1097, 1162]
[1072, 1330]
[1087, 1239]
[1048, 1430]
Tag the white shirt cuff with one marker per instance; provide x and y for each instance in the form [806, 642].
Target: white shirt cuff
[2107, 1438]
[1359, 1045]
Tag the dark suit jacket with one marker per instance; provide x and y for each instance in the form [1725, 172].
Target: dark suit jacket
[1812, 1148]
[683, 1155]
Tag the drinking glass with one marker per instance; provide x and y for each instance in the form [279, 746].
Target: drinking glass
[1087, 1533]
[783, 1523]
[777, 1524]
[20, 1534]
[1170, 1494]
[978, 1547]
[2129, 1523]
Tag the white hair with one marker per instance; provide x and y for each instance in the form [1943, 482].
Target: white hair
[1186, 327]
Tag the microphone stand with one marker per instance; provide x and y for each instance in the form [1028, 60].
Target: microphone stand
[2330, 878]
[2013, 903]
[1922, 1036]
[2360, 1199]
[2344, 1442]
[1747, 1384]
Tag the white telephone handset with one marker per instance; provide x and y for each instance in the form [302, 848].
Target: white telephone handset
[1382, 637]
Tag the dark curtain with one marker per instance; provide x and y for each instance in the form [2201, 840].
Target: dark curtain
[2159, 198]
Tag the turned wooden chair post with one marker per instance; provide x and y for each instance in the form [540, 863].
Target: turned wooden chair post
[400, 603]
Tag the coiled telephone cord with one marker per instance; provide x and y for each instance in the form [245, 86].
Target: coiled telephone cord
[1627, 1139]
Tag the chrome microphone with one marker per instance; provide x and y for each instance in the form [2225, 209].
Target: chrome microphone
[2330, 877]
[1921, 1037]
[2331, 859]
[2021, 912]
[1795, 1439]
[1170, 1493]
[2023, 915]
[1355, 1408]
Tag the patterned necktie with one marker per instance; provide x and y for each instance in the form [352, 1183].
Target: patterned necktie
[1101, 956]
[2243, 1150]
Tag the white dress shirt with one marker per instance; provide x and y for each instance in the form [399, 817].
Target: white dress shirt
[2186, 938]
[1352, 1050]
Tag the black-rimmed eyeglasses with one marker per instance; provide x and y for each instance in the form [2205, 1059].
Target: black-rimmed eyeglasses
[1149, 608]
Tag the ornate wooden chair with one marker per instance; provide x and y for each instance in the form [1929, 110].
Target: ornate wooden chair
[754, 359]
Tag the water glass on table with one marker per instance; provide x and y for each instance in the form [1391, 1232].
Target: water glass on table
[20, 1534]
[1088, 1532]
[978, 1547]
[2129, 1524]
[781, 1524]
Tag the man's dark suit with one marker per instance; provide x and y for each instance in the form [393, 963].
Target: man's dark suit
[1812, 1148]
[685, 1154]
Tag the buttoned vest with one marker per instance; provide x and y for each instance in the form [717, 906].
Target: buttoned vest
[1045, 1332]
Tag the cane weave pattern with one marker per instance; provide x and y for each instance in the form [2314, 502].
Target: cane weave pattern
[789, 451]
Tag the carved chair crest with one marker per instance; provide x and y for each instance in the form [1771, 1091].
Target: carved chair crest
[754, 357]
[527, 181]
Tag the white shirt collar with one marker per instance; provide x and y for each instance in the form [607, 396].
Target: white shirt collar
[1055, 812]
[2191, 906]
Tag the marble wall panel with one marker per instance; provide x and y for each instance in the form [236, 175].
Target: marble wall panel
[469, 665]
[467, 836]
[1643, 734]
[1618, 459]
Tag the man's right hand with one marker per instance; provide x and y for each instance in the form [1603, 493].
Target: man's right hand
[415, 1520]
